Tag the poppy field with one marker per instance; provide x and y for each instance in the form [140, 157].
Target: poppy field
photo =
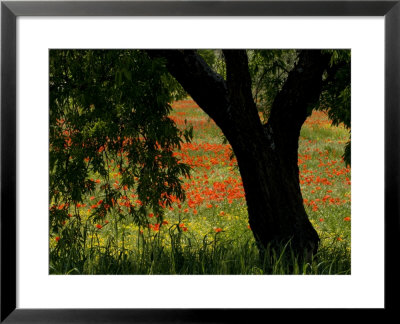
[208, 232]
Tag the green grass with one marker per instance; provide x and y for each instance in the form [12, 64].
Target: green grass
[209, 232]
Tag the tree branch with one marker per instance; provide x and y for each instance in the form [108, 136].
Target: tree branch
[300, 91]
[237, 73]
[244, 112]
[239, 80]
[205, 86]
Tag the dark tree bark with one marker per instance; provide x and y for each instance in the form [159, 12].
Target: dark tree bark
[266, 154]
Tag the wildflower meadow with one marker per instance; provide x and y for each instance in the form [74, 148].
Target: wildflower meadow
[208, 232]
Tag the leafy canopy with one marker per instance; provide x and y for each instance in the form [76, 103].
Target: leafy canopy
[109, 115]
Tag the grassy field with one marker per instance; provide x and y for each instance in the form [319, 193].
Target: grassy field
[209, 232]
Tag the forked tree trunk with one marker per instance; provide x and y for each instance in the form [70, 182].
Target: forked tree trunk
[266, 154]
[274, 201]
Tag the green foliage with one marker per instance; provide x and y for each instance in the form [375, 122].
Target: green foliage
[107, 108]
[176, 90]
[336, 92]
[269, 70]
[208, 55]
[215, 60]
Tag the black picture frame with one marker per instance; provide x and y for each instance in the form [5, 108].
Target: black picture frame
[10, 10]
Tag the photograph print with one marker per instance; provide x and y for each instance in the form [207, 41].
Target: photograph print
[208, 161]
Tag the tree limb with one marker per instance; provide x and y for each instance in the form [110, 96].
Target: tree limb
[238, 75]
[300, 91]
[205, 86]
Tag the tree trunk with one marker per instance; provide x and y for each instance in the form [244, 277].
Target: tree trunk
[266, 154]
